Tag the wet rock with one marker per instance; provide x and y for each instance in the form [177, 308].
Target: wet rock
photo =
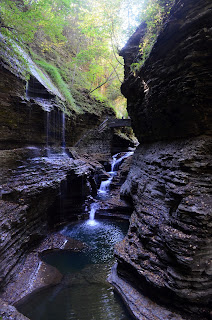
[27, 194]
[140, 306]
[166, 253]
[8, 312]
[35, 274]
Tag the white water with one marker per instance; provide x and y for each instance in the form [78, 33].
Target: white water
[63, 245]
[63, 132]
[94, 206]
[50, 152]
[47, 134]
[116, 162]
[105, 185]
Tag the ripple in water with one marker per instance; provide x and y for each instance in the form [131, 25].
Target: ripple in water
[84, 293]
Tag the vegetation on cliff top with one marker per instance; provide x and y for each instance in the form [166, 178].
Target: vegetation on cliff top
[77, 41]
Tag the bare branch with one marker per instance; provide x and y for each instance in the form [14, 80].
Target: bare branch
[108, 79]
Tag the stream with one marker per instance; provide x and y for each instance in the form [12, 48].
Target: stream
[84, 293]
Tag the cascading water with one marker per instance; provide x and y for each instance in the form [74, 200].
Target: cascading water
[103, 191]
[47, 134]
[93, 208]
[58, 126]
[63, 132]
[84, 292]
[117, 162]
[104, 186]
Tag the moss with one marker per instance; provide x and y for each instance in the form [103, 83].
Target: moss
[91, 104]
[13, 58]
[58, 80]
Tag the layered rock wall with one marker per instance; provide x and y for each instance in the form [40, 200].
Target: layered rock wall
[35, 189]
[169, 97]
[30, 189]
[167, 253]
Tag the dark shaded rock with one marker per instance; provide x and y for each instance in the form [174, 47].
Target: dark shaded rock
[123, 140]
[169, 97]
[106, 139]
[8, 312]
[27, 192]
[139, 305]
[35, 274]
[20, 121]
[166, 253]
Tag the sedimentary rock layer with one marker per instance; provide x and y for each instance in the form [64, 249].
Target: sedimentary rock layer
[27, 192]
[170, 96]
[167, 252]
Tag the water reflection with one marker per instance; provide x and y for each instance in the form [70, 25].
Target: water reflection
[84, 293]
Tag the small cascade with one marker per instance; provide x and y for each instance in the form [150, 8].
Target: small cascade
[55, 124]
[105, 185]
[94, 206]
[117, 162]
[34, 276]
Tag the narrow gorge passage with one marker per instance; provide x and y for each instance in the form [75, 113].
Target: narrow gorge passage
[84, 292]
[71, 95]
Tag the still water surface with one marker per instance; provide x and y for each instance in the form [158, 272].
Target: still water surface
[84, 293]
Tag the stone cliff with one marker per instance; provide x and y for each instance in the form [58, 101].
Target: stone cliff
[44, 181]
[33, 185]
[166, 255]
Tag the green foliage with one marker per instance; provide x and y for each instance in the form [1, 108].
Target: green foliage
[82, 37]
[23, 19]
[154, 14]
[56, 77]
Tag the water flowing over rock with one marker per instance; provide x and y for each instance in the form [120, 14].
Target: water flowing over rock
[39, 185]
[27, 194]
[167, 252]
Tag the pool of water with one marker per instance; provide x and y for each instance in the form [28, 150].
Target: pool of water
[84, 293]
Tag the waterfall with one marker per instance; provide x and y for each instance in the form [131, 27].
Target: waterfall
[56, 126]
[63, 132]
[117, 162]
[104, 186]
[47, 133]
[94, 206]
[34, 276]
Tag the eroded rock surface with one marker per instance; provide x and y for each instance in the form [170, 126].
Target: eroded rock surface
[167, 253]
[27, 193]
[8, 312]
[169, 97]
[168, 247]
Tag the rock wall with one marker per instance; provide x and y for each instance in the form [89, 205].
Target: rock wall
[28, 191]
[169, 97]
[167, 252]
[35, 190]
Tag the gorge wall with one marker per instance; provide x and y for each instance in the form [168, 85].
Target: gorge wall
[32, 185]
[167, 252]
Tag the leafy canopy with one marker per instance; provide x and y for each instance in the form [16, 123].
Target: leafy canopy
[78, 40]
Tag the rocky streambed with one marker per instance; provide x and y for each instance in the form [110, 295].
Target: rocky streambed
[37, 194]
